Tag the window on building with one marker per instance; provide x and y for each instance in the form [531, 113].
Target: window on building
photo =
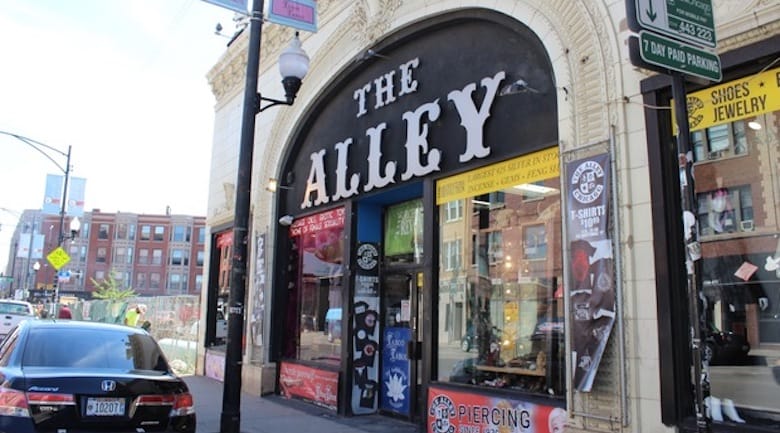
[103, 230]
[720, 141]
[100, 255]
[143, 256]
[123, 255]
[535, 242]
[154, 280]
[181, 233]
[198, 282]
[157, 256]
[200, 258]
[174, 283]
[100, 276]
[500, 317]
[131, 232]
[726, 210]
[452, 251]
[453, 210]
[146, 233]
[159, 233]
[202, 235]
[317, 288]
[179, 257]
[84, 232]
[121, 231]
[140, 281]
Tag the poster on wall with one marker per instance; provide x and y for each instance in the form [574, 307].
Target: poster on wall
[258, 294]
[367, 269]
[396, 370]
[591, 278]
[365, 354]
[311, 384]
[454, 412]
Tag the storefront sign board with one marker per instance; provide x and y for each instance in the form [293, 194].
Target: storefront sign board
[312, 384]
[454, 412]
[744, 98]
[530, 168]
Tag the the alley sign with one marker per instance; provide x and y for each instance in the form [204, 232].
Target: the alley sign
[689, 20]
[678, 56]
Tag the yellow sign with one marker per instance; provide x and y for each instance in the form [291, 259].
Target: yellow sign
[739, 99]
[529, 168]
[58, 258]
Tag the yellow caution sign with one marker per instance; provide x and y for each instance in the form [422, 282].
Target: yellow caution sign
[58, 258]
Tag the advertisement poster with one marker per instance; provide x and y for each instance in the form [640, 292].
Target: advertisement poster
[367, 269]
[365, 337]
[591, 280]
[456, 412]
[215, 366]
[258, 297]
[321, 238]
[395, 370]
[403, 234]
[317, 386]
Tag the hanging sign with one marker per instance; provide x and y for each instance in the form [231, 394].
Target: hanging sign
[239, 6]
[299, 14]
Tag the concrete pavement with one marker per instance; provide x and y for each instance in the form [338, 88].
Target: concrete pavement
[275, 414]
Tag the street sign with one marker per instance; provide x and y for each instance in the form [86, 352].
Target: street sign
[58, 258]
[678, 56]
[689, 20]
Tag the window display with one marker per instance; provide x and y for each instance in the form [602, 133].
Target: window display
[318, 245]
[502, 298]
[738, 213]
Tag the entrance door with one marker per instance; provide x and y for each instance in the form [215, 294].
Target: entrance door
[402, 298]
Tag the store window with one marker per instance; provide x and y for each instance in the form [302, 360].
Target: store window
[318, 246]
[738, 214]
[503, 307]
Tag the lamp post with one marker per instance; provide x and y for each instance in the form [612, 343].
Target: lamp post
[293, 65]
[42, 148]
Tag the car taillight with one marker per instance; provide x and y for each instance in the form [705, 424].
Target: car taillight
[13, 403]
[181, 404]
[50, 399]
[184, 405]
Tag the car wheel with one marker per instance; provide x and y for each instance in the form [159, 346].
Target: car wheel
[465, 345]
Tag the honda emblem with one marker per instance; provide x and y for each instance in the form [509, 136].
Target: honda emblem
[108, 385]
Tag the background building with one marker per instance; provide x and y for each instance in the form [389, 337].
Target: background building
[153, 254]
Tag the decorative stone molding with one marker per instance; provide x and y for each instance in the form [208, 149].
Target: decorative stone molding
[371, 19]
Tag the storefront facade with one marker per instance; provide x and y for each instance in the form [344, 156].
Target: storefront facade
[463, 233]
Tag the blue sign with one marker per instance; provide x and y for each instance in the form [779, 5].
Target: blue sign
[233, 5]
[396, 370]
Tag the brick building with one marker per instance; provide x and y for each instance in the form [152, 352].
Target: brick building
[153, 254]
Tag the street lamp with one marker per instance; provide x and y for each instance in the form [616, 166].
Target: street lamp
[293, 65]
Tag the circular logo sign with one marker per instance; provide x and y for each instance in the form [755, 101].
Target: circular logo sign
[367, 256]
[586, 181]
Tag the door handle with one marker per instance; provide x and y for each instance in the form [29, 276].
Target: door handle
[414, 350]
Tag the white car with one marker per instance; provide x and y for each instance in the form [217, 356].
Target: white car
[11, 313]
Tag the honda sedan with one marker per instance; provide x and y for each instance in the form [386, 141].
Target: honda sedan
[69, 376]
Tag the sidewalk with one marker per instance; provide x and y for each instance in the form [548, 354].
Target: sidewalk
[274, 414]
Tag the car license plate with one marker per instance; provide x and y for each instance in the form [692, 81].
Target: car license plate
[105, 406]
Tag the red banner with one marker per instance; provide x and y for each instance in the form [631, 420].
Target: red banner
[454, 412]
[317, 386]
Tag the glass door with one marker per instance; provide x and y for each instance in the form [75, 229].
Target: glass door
[402, 343]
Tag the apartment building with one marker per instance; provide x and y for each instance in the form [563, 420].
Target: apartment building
[154, 254]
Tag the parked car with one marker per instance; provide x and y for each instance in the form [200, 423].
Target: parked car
[73, 376]
[12, 312]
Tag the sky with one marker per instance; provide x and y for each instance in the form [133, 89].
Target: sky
[121, 82]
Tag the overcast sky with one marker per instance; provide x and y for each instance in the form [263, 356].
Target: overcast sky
[123, 83]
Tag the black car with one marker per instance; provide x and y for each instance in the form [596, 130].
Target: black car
[71, 376]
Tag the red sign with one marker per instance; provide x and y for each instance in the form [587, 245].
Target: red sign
[453, 411]
[332, 219]
[317, 386]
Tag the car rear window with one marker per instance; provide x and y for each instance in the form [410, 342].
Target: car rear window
[11, 308]
[92, 348]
